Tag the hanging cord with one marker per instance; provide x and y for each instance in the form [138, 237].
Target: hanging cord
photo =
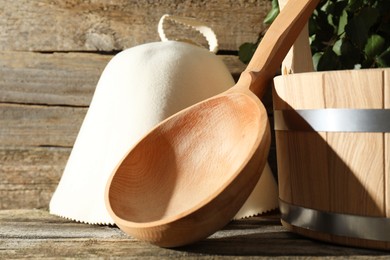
[206, 31]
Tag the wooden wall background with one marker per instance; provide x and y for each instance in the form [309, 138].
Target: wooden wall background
[52, 53]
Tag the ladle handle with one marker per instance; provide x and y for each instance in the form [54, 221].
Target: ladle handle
[276, 43]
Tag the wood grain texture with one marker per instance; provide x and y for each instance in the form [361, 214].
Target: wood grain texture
[34, 125]
[297, 163]
[77, 25]
[166, 171]
[355, 165]
[60, 78]
[357, 158]
[297, 60]
[29, 175]
[354, 89]
[36, 234]
[53, 79]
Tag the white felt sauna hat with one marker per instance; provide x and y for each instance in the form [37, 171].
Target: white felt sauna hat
[139, 88]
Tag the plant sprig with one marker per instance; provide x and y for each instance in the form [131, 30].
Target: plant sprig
[344, 34]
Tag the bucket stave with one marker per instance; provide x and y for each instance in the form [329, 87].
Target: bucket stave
[334, 182]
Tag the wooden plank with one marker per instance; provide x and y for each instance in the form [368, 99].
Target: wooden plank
[60, 78]
[30, 125]
[49, 25]
[35, 233]
[358, 162]
[32, 165]
[29, 175]
[302, 156]
[26, 196]
[357, 158]
[298, 152]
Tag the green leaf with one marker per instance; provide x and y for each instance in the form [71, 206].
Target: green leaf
[313, 27]
[316, 58]
[344, 34]
[339, 7]
[334, 9]
[324, 31]
[383, 60]
[246, 51]
[270, 17]
[329, 61]
[358, 27]
[374, 46]
[355, 5]
[384, 28]
[331, 20]
[383, 6]
[350, 55]
[337, 46]
[343, 20]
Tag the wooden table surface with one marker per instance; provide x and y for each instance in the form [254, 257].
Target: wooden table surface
[37, 234]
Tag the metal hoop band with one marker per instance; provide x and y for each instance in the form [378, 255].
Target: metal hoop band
[354, 226]
[333, 120]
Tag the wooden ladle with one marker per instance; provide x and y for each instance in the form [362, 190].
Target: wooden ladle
[191, 174]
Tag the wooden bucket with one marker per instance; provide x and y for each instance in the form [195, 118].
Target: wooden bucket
[332, 133]
[333, 143]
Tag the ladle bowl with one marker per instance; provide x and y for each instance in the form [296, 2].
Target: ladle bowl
[191, 174]
[183, 196]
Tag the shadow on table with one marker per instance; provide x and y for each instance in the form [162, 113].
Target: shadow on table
[273, 243]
